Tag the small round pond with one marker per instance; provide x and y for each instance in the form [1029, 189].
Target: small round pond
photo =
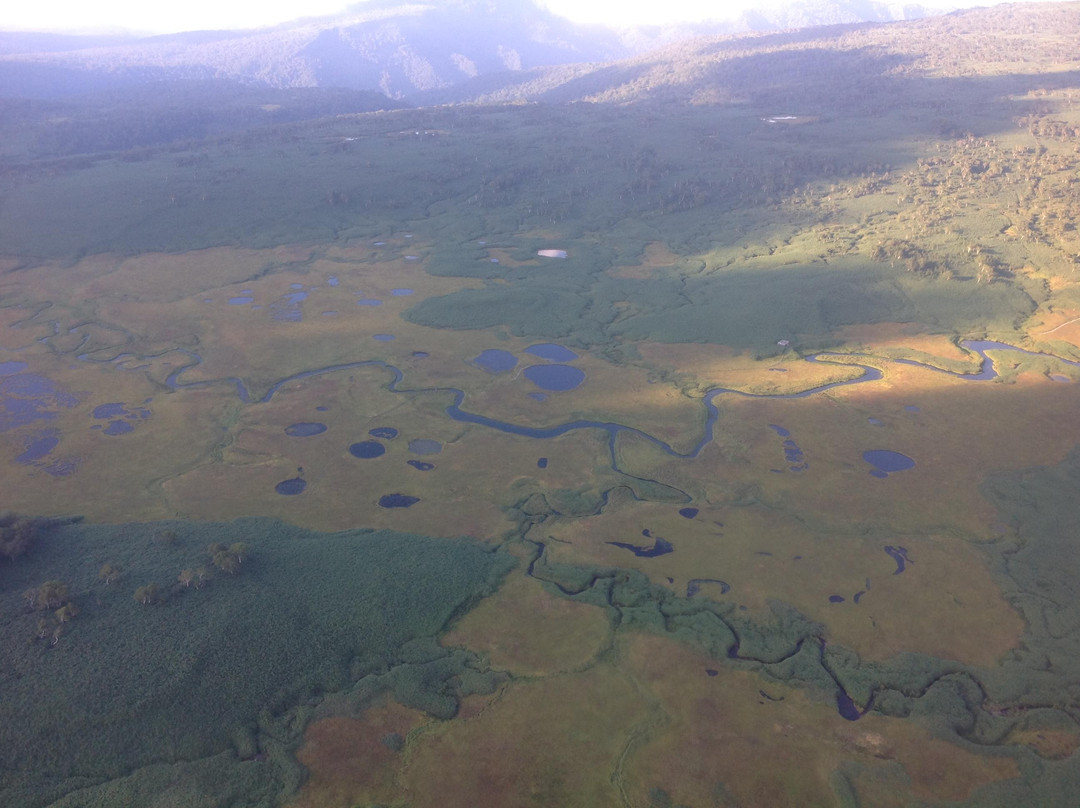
[886, 461]
[496, 360]
[367, 449]
[291, 487]
[387, 432]
[555, 377]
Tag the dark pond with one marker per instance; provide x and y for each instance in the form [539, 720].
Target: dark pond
[886, 461]
[291, 487]
[425, 446]
[542, 463]
[241, 300]
[38, 448]
[119, 428]
[421, 354]
[367, 449]
[387, 432]
[900, 556]
[110, 410]
[401, 292]
[368, 301]
[836, 598]
[8, 368]
[495, 360]
[383, 337]
[397, 501]
[305, 429]
[555, 377]
[552, 352]
[688, 513]
[779, 430]
[660, 547]
[420, 465]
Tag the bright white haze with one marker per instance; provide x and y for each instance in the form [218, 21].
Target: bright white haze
[166, 16]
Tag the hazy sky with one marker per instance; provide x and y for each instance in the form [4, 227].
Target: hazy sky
[162, 16]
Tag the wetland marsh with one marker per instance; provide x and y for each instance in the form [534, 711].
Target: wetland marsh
[373, 496]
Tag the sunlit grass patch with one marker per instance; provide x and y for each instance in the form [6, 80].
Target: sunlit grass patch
[734, 736]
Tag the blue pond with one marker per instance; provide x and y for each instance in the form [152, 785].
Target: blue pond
[542, 463]
[291, 487]
[885, 461]
[241, 300]
[383, 337]
[555, 377]
[112, 410]
[387, 432]
[367, 449]
[401, 292]
[660, 547]
[552, 352]
[9, 368]
[688, 513]
[495, 360]
[332, 281]
[368, 301]
[39, 448]
[397, 501]
[118, 428]
[420, 465]
[425, 446]
[305, 429]
[900, 556]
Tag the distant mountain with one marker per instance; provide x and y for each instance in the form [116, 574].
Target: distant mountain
[396, 47]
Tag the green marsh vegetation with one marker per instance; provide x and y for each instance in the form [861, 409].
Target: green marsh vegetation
[194, 675]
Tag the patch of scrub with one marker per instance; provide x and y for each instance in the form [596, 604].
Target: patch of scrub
[555, 377]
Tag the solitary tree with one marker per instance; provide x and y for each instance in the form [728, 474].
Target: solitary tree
[186, 577]
[67, 612]
[109, 573]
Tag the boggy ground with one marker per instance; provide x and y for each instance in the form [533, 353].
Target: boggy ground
[778, 507]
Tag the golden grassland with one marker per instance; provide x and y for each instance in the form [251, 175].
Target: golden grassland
[588, 715]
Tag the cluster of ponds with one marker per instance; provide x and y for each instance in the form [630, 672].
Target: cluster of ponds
[368, 449]
[33, 400]
[287, 308]
[553, 376]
